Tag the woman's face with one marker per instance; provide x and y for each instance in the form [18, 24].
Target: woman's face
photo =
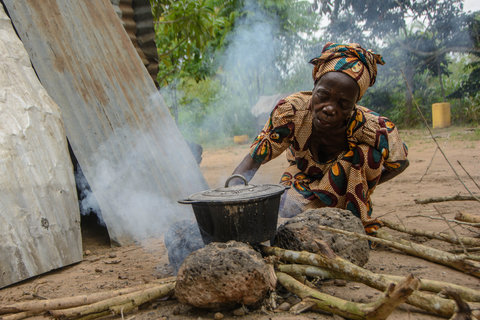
[333, 99]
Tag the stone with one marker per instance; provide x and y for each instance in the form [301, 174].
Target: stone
[285, 306]
[224, 276]
[340, 282]
[182, 238]
[300, 232]
[240, 312]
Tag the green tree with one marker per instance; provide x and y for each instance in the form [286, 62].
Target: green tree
[471, 85]
[277, 31]
[187, 33]
[418, 36]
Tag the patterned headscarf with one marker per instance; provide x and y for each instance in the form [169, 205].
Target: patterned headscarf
[352, 59]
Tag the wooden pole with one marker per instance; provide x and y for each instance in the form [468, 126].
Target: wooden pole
[433, 235]
[465, 293]
[377, 310]
[427, 302]
[137, 298]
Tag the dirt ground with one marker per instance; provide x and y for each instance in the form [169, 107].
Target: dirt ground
[106, 268]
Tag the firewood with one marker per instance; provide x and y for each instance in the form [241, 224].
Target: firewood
[464, 312]
[472, 249]
[123, 308]
[304, 305]
[459, 262]
[467, 217]
[428, 302]
[18, 316]
[457, 197]
[469, 224]
[377, 310]
[69, 302]
[137, 298]
[435, 286]
[433, 235]
[95, 315]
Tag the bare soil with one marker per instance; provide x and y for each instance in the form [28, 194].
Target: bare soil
[106, 268]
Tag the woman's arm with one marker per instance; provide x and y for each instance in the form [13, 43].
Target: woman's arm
[389, 174]
[246, 168]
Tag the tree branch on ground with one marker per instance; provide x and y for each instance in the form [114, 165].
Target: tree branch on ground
[425, 284]
[428, 302]
[457, 197]
[377, 310]
[432, 235]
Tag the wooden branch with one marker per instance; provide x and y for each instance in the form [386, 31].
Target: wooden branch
[95, 315]
[428, 167]
[304, 305]
[377, 310]
[459, 262]
[395, 295]
[18, 316]
[474, 249]
[424, 301]
[323, 301]
[468, 174]
[433, 235]
[452, 229]
[457, 197]
[69, 302]
[463, 312]
[468, 224]
[137, 298]
[425, 284]
[467, 217]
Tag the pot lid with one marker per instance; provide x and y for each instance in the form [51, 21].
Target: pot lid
[237, 192]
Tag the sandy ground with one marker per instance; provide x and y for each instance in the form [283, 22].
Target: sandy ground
[107, 268]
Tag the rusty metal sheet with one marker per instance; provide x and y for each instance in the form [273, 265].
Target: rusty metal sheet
[39, 216]
[127, 144]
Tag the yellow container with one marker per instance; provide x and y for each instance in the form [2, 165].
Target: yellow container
[441, 115]
[240, 139]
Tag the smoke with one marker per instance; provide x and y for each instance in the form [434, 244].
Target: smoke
[138, 175]
[247, 69]
[87, 201]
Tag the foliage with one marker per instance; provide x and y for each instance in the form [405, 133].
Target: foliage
[470, 86]
[256, 53]
[415, 37]
[187, 33]
[218, 57]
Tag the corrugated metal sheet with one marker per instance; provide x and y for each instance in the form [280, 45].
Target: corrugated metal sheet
[39, 217]
[120, 130]
[137, 19]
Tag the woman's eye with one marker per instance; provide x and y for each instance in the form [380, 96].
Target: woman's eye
[322, 96]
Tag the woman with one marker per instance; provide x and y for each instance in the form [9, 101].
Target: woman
[338, 151]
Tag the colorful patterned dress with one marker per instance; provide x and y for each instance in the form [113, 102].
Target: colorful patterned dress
[345, 182]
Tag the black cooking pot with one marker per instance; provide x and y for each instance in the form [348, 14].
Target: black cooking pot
[246, 213]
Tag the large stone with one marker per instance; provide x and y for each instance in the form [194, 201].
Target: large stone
[300, 232]
[223, 276]
[181, 239]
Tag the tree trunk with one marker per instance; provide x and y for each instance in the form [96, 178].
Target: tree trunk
[409, 73]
